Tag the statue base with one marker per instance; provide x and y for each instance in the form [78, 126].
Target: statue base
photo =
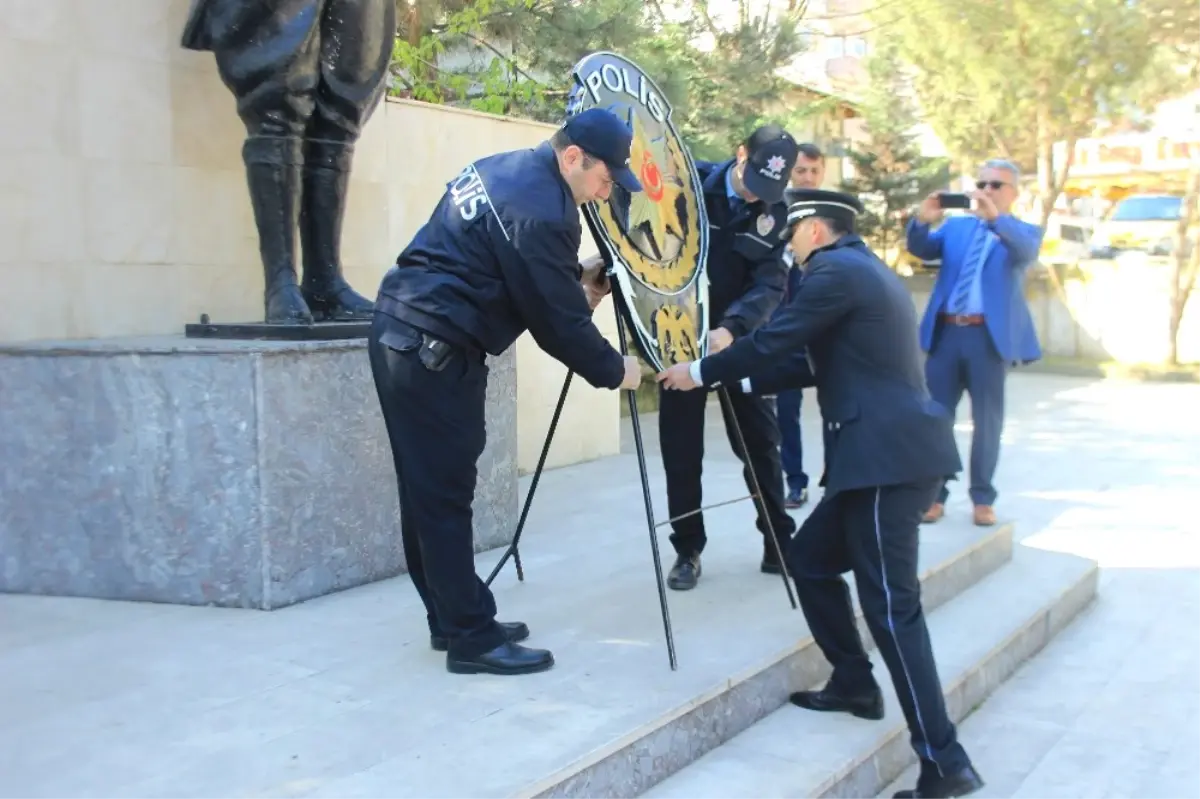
[264, 331]
[248, 474]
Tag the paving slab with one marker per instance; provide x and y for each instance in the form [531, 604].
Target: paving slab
[1107, 470]
[341, 695]
[979, 638]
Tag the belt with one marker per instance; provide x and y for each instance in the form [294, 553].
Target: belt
[962, 320]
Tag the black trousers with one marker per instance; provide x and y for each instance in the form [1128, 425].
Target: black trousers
[873, 532]
[681, 440]
[303, 69]
[435, 422]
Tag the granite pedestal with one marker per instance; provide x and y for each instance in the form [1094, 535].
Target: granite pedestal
[249, 474]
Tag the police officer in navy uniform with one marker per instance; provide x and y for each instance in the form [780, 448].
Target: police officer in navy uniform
[851, 331]
[498, 256]
[747, 276]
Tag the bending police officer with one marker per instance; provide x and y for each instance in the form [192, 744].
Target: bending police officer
[499, 255]
[891, 445]
[746, 276]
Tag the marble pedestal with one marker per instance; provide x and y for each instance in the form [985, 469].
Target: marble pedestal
[248, 474]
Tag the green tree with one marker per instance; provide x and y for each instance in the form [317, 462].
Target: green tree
[890, 174]
[718, 93]
[1175, 72]
[1015, 76]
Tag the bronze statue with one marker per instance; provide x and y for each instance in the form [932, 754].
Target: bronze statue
[307, 74]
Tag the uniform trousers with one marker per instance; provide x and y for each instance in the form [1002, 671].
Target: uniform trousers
[435, 423]
[791, 449]
[681, 417]
[873, 533]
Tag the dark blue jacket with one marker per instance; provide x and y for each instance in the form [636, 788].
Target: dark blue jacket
[746, 272]
[500, 255]
[856, 318]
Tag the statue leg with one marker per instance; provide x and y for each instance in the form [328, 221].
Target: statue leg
[356, 49]
[268, 55]
[273, 173]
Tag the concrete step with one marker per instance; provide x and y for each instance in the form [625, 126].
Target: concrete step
[341, 696]
[979, 639]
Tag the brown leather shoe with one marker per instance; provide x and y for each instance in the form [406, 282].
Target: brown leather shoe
[984, 515]
[936, 511]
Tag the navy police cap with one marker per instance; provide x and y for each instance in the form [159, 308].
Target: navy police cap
[770, 155]
[601, 134]
[842, 207]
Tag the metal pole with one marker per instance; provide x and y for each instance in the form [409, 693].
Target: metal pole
[757, 489]
[537, 475]
[641, 456]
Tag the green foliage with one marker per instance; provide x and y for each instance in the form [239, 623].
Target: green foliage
[498, 86]
[718, 95]
[891, 175]
[1011, 77]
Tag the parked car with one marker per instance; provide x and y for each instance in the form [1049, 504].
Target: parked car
[1140, 222]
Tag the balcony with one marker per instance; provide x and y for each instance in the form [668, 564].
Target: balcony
[1143, 153]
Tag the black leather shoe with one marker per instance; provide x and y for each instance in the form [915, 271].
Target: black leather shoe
[864, 706]
[770, 561]
[963, 782]
[506, 659]
[685, 573]
[516, 631]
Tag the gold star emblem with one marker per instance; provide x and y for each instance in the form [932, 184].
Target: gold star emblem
[653, 209]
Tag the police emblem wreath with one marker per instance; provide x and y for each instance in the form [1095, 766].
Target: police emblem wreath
[656, 241]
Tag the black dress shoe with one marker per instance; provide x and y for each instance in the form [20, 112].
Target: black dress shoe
[516, 631]
[508, 658]
[685, 573]
[770, 561]
[963, 782]
[864, 706]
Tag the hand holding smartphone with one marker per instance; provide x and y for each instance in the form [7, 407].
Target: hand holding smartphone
[955, 200]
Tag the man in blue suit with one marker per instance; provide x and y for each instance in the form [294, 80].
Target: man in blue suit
[977, 323]
[851, 330]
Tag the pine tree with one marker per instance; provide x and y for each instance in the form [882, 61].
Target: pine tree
[890, 173]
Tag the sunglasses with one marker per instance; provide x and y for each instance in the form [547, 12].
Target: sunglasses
[990, 184]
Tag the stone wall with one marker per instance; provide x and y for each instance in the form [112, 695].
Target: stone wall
[1108, 311]
[123, 203]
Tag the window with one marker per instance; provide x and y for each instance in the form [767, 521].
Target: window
[1147, 208]
[835, 47]
[856, 46]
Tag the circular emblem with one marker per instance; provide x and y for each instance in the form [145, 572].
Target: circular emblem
[658, 237]
[766, 223]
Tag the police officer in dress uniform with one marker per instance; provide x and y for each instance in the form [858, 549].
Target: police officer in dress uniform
[747, 276]
[891, 446]
[499, 255]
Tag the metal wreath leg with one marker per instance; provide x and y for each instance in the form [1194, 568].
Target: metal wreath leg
[646, 500]
[723, 392]
[537, 475]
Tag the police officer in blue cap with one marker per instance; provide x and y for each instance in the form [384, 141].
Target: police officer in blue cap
[747, 275]
[498, 256]
[850, 329]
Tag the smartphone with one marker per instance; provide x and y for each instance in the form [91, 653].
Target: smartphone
[954, 200]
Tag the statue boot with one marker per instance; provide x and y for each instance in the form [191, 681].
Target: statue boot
[326, 180]
[273, 172]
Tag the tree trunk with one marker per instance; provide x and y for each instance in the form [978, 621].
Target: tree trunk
[1045, 164]
[1186, 264]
